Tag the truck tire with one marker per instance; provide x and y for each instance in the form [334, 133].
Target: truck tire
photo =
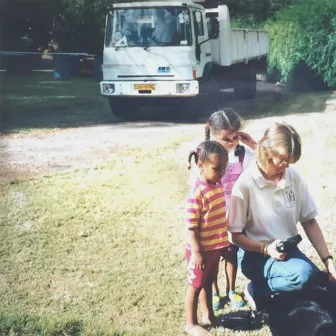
[247, 87]
[122, 108]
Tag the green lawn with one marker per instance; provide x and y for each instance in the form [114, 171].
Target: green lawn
[102, 246]
[39, 102]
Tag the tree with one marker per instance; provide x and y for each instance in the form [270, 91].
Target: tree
[79, 25]
[305, 33]
[254, 12]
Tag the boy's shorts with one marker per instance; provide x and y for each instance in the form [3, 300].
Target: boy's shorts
[197, 277]
[232, 248]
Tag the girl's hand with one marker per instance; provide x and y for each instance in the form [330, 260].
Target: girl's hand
[273, 252]
[247, 140]
[198, 259]
[331, 269]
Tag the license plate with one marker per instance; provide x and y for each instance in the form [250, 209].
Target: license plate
[147, 87]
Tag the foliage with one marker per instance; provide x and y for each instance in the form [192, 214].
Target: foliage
[305, 32]
[79, 25]
[254, 12]
[245, 22]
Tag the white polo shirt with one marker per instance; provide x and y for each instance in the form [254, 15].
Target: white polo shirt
[265, 211]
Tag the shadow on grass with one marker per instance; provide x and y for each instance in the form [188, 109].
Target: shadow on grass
[242, 321]
[38, 101]
[27, 325]
[22, 324]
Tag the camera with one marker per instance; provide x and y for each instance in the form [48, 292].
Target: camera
[289, 244]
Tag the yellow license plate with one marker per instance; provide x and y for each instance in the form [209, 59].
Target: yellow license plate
[147, 87]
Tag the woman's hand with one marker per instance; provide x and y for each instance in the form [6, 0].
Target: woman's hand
[198, 259]
[273, 252]
[247, 140]
[331, 269]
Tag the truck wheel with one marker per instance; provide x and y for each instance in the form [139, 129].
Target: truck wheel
[122, 108]
[247, 88]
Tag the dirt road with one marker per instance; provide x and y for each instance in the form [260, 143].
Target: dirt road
[80, 147]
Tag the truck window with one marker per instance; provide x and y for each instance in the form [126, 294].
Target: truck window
[149, 26]
[199, 26]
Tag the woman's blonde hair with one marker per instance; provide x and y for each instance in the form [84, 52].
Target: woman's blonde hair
[279, 141]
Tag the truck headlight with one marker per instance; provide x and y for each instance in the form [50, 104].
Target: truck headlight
[182, 87]
[108, 88]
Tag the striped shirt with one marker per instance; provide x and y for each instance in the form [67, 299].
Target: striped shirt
[206, 211]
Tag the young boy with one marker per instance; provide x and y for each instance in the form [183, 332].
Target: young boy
[206, 232]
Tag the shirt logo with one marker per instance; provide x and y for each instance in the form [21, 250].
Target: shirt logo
[289, 197]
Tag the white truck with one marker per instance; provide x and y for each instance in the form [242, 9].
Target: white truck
[159, 52]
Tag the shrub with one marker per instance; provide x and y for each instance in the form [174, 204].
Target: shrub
[305, 32]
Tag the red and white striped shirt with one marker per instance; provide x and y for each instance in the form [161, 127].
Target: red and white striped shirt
[206, 211]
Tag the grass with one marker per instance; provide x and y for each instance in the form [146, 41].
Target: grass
[38, 101]
[100, 251]
[86, 245]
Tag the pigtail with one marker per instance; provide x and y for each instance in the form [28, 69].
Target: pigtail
[193, 153]
[207, 132]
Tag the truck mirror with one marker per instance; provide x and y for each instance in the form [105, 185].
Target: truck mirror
[213, 26]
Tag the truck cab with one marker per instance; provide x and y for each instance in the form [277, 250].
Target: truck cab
[163, 49]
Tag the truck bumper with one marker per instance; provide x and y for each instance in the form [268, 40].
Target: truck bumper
[149, 88]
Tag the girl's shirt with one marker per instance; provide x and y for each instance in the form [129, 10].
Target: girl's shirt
[206, 211]
[233, 170]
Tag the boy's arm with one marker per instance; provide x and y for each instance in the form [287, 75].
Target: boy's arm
[193, 218]
[195, 248]
[194, 240]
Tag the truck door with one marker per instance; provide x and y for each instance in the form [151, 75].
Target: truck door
[202, 43]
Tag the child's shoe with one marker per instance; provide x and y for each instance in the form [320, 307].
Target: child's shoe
[236, 300]
[216, 302]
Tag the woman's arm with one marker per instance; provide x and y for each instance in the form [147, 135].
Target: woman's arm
[314, 234]
[241, 240]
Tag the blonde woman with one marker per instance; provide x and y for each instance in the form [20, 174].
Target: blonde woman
[267, 202]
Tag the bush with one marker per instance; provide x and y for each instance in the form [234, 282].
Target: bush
[305, 32]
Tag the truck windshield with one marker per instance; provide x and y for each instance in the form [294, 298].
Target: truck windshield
[147, 27]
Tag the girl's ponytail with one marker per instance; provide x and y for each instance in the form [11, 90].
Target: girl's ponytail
[193, 153]
[207, 132]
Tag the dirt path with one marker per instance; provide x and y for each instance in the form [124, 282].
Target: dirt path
[81, 147]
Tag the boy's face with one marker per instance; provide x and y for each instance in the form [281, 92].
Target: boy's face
[213, 169]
